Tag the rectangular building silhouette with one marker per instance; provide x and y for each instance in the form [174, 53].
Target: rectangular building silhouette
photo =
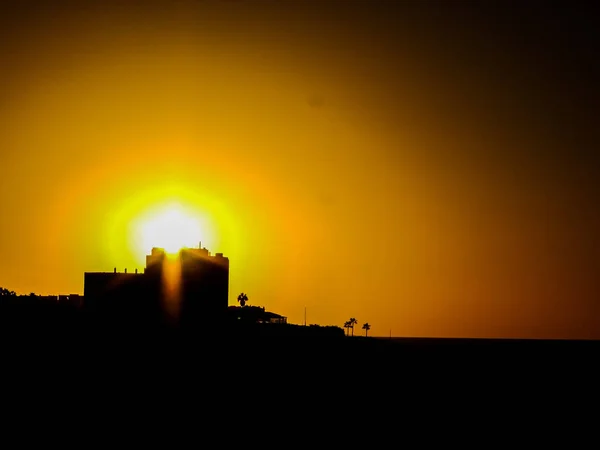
[191, 288]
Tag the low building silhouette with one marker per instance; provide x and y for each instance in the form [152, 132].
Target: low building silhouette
[189, 288]
[255, 314]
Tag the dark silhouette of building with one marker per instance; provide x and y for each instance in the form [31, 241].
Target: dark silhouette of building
[190, 288]
[255, 314]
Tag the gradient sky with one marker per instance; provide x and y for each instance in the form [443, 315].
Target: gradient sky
[429, 167]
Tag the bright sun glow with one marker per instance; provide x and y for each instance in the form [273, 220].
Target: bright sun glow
[170, 227]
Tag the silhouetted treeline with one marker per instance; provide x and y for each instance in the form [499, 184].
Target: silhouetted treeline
[36, 312]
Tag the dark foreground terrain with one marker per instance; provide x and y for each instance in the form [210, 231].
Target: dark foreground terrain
[227, 382]
[68, 352]
[284, 382]
[287, 349]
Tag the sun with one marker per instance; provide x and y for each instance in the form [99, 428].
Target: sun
[170, 227]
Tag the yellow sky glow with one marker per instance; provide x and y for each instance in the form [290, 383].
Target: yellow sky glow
[354, 167]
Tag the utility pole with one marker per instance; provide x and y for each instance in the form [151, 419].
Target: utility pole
[305, 316]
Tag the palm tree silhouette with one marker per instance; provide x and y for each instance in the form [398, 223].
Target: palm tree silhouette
[242, 298]
[366, 327]
[352, 322]
[347, 326]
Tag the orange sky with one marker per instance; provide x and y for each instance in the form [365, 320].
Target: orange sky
[400, 167]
